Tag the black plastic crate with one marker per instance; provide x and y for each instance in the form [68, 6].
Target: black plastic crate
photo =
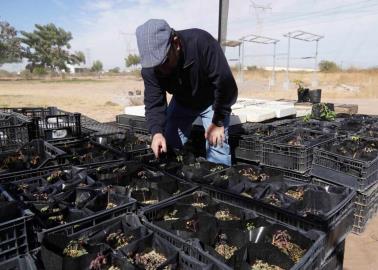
[311, 259]
[58, 127]
[136, 130]
[14, 133]
[133, 167]
[50, 123]
[249, 147]
[95, 128]
[32, 112]
[278, 154]
[36, 154]
[132, 120]
[366, 204]
[184, 261]
[336, 224]
[86, 151]
[35, 173]
[336, 260]
[82, 224]
[344, 170]
[24, 262]
[246, 147]
[136, 124]
[14, 233]
[12, 119]
[126, 144]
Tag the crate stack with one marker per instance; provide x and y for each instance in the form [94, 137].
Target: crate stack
[39, 148]
[72, 178]
[354, 170]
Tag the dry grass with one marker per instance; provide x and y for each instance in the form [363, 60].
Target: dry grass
[347, 84]
[106, 97]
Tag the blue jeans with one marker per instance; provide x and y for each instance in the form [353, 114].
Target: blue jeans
[179, 124]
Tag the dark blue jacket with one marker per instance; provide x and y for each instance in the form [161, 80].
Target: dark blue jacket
[203, 78]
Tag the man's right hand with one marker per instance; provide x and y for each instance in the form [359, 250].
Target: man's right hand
[158, 144]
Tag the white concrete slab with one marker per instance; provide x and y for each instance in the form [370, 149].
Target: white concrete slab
[281, 110]
[246, 110]
[135, 110]
[256, 114]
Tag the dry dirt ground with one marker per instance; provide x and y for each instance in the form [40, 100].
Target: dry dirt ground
[104, 98]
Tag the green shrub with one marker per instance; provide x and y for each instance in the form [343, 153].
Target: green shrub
[328, 66]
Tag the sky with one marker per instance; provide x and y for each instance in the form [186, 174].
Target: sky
[105, 29]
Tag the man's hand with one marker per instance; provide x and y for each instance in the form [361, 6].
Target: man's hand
[215, 135]
[158, 144]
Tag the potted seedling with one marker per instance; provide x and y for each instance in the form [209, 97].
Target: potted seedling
[171, 215]
[273, 200]
[296, 141]
[295, 193]
[23, 187]
[55, 176]
[118, 239]
[148, 260]
[110, 204]
[199, 199]
[13, 162]
[253, 175]
[98, 263]
[216, 168]
[192, 225]
[225, 215]
[282, 240]
[250, 226]
[223, 248]
[52, 215]
[323, 111]
[75, 249]
[303, 93]
[261, 265]
[40, 196]
[101, 262]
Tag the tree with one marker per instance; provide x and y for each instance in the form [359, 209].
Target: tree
[10, 45]
[132, 60]
[115, 70]
[328, 66]
[48, 47]
[97, 67]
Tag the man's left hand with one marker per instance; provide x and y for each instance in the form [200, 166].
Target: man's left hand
[215, 135]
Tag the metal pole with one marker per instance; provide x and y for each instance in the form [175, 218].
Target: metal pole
[220, 22]
[239, 69]
[288, 62]
[315, 75]
[274, 64]
[242, 62]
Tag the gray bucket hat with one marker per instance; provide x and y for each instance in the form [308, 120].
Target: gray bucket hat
[153, 38]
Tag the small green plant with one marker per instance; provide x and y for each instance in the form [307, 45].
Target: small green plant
[180, 158]
[250, 226]
[327, 114]
[355, 138]
[307, 118]
[299, 84]
[75, 248]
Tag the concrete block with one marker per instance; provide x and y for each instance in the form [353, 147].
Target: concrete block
[256, 114]
[135, 110]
